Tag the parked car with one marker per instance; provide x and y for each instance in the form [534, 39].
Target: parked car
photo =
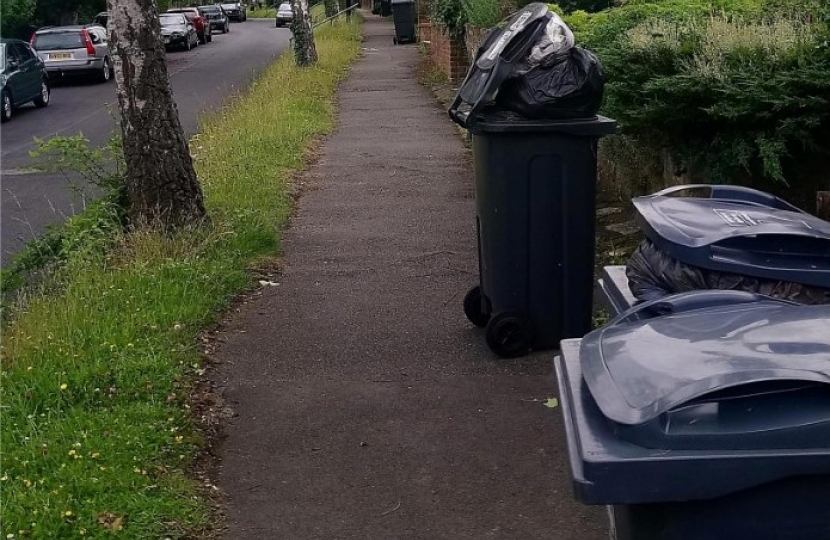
[23, 77]
[101, 19]
[74, 50]
[178, 31]
[235, 11]
[216, 17]
[284, 14]
[199, 22]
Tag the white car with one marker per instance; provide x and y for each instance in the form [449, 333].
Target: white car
[284, 14]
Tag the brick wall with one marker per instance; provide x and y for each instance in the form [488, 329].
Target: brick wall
[448, 54]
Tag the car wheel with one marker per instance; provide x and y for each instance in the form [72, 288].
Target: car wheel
[209, 36]
[106, 71]
[42, 100]
[203, 38]
[187, 45]
[6, 111]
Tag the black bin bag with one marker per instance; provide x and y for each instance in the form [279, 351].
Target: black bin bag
[566, 86]
[730, 238]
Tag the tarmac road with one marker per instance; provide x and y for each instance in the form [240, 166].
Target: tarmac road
[202, 80]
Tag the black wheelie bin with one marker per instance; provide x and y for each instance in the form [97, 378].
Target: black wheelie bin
[385, 8]
[403, 15]
[711, 422]
[535, 204]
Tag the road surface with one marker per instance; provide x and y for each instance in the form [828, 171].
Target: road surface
[203, 79]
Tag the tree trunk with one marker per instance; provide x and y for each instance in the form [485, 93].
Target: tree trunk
[161, 182]
[330, 7]
[305, 53]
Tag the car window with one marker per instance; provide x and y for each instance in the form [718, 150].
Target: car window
[12, 52]
[24, 53]
[173, 19]
[285, 7]
[58, 40]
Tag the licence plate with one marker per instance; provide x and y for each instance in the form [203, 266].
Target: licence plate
[60, 56]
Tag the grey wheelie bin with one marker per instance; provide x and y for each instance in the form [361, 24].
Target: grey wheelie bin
[535, 204]
[710, 422]
[722, 237]
[403, 15]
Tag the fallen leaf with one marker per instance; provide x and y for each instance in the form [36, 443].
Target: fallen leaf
[551, 403]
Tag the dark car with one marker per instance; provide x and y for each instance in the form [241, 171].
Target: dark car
[74, 50]
[177, 31]
[199, 22]
[23, 77]
[235, 11]
[216, 17]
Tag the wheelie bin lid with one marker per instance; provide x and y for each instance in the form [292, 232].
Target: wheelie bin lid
[721, 370]
[502, 49]
[738, 230]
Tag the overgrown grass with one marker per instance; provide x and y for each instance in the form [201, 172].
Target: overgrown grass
[98, 363]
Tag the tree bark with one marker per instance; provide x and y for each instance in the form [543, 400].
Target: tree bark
[305, 52]
[162, 188]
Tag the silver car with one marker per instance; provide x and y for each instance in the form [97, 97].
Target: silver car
[284, 14]
[74, 50]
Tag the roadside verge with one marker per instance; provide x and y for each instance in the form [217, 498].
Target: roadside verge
[98, 363]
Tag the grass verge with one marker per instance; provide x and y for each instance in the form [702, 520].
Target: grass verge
[98, 364]
[264, 13]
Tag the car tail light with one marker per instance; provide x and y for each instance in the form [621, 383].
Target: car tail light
[32, 40]
[90, 48]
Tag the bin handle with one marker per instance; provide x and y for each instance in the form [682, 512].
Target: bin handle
[457, 116]
[735, 193]
[688, 301]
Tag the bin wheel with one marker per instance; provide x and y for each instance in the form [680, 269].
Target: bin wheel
[473, 307]
[508, 335]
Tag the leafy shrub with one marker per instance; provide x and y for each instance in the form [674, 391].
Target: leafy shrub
[740, 94]
[450, 14]
[485, 13]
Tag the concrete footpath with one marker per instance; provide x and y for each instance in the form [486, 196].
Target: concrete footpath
[366, 405]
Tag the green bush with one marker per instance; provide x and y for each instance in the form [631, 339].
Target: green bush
[450, 14]
[741, 92]
[485, 13]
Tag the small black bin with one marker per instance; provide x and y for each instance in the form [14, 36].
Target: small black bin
[403, 14]
[709, 423]
[535, 203]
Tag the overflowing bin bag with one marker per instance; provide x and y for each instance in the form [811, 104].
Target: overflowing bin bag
[729, 238]
[653, 274]
[530, 66]
[568, 85]
[553, 44]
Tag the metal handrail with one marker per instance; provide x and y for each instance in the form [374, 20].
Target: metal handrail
[328, 19]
